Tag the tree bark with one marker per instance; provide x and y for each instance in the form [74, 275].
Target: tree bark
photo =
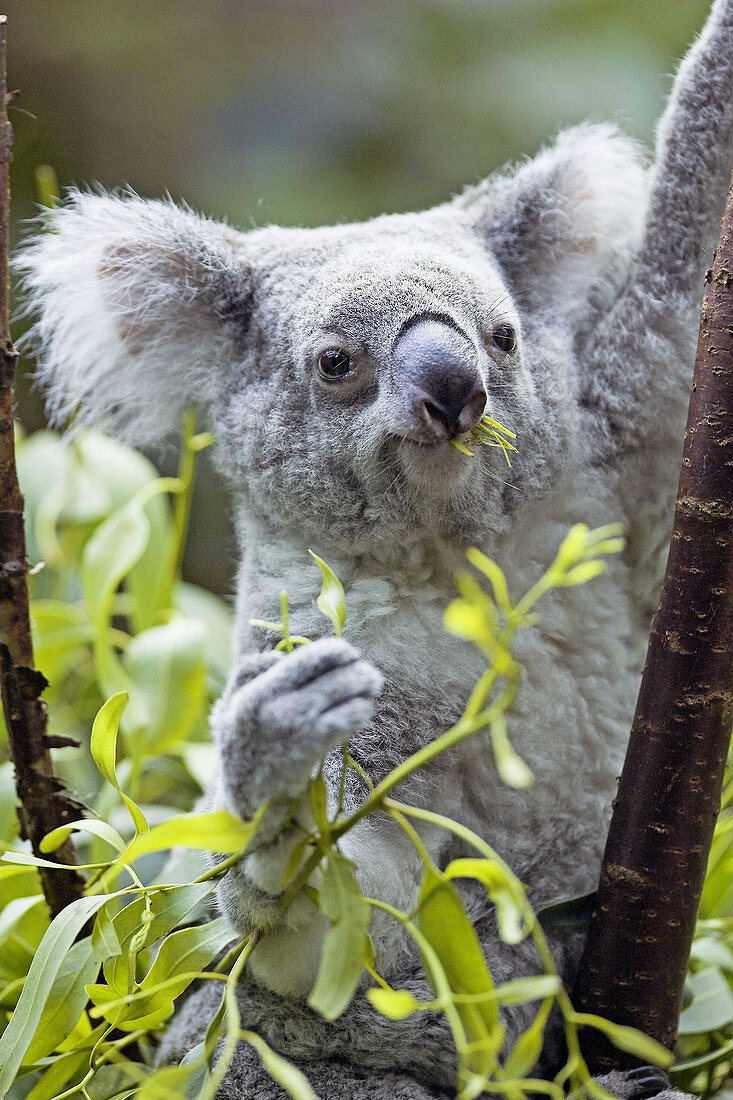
[637, 950]
[44, 801]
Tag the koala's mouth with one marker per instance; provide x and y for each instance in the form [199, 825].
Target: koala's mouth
[432, 465]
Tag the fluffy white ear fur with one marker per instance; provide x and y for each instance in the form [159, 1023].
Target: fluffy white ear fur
[138, 303]
[565, 222]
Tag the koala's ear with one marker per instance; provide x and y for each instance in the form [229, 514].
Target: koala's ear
[140, 306]
[564, 222]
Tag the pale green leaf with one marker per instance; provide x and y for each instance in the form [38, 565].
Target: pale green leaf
[509, 902]
[509, 764]
[628, 1039]
[215, 831]
[318, 800]
[167, 908]
[167, 672]
[15, 911]
[344, 946]
[496, 577]
[105, 940]
[331, 601]
[395, 1004]
[46, 964]
[58, 1074]
[528, 1046]
[104, 750]
[711, 1008]
[462, 960]
[56, 837]
[66, 999]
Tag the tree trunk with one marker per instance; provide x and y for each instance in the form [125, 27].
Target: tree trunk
[44, 801]
[637, 950]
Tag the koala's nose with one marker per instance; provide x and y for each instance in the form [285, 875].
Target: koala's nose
[438, 369]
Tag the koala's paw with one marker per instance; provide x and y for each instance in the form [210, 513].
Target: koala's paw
[639, 1083]
[275, 728]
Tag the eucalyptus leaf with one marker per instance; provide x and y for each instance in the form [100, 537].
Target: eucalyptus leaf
[711, 1007]
[46, 964]
[167, 673]
[215, 831]
[101, 829]
[104, 750]
[166, 909]
[345, 944]
[459, 952]
[332, 600]
[395, 1004]
[66, 999]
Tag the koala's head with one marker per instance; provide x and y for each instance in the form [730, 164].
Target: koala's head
[336, 365]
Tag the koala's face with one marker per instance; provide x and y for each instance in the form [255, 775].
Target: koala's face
[336, 365]
[369, 349]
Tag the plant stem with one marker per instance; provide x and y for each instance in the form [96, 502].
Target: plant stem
[44, 801]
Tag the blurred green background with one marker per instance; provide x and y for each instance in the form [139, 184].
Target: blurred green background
[311, 111]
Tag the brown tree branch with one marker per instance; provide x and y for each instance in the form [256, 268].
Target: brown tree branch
[637, 950]
[44, 801]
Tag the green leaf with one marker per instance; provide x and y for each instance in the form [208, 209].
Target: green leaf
[571, 547]
[105, 940]
[443, 921]
[108, 557]
[345, 944]
[56, 837]
[59, 1073]
[167, 673]
[627, 1038]
[104, 750]
[216, 831]
[46, 964]
[581, 574]
[283, 1072]
[125, 474]
[167, 908]
[61, 637]
[495, 576]
[519, 991]
[528, 1046]
[181, 954]
[509, 764]
[332, 601]
[711, 1007]
[66, 999]
[216, 618]
[319, 799]
[395, 1004]
[167, 1083]
[14, 913]
[509, 901]
[295, 859]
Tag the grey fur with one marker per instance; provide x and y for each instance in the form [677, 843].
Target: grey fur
[597, 264]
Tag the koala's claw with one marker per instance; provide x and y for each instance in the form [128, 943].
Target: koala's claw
[646, 1081]
[639, 1083]
[277, 726]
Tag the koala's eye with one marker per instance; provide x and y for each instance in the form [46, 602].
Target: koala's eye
[505, 338]
[334, 364]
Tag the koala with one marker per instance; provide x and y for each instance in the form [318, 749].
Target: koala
[336, 365]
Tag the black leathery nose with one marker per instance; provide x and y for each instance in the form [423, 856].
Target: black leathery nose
[437, 367]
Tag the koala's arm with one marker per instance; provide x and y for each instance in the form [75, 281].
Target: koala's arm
[638, 359]
[278, 719]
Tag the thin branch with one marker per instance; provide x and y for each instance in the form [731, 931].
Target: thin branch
[638, 947]
[44, 801]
